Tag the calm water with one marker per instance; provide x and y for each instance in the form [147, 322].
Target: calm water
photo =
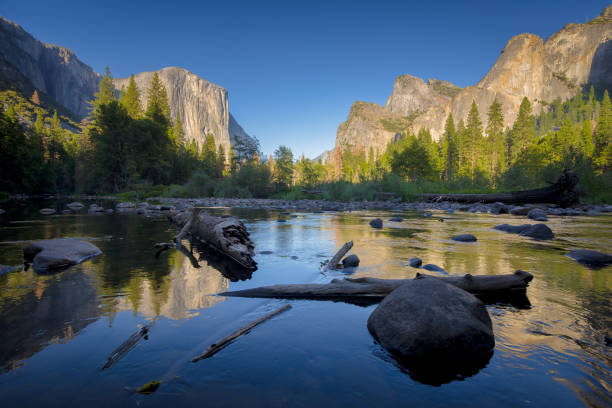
[57, 331]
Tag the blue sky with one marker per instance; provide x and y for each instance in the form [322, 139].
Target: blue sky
[294, 68]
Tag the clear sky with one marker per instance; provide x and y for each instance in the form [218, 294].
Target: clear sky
[294, 68]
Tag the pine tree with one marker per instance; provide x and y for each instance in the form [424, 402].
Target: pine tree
[105, 94]
[473, 140]
[35, 98]
[449, 149]
[586, 138]
[178, 135]
[158, 109]
[603, 133]
[208, 155]
[130, 99]
[523, 131]
[496, 155]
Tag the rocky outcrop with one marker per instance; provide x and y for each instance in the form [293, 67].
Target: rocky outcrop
[52, 69]
[577, 55]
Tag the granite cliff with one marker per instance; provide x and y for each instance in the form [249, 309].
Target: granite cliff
[575, 56]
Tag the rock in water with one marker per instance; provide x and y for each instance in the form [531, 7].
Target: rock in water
[464, 238]
[427, 320]
[350, 261]
[519, 210]
[47, 211]
[535, 231]
[537, 214]
[376, 223]
[55, 254]
[592, 259]
[396, 219]
[499, 208]
[75, 205]
[415, 262]
[434, 268]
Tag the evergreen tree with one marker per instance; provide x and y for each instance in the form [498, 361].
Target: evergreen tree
[472, 146]
[220, 170]
[178, 135]
[208, 155]
[130, 99]
[283, 167]
[523, 131]
[449, 149]
[586, 138]
[496, 154]
[603, 133]
[105, 94]
[158, 109]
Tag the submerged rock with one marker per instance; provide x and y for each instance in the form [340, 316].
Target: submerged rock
[415, 262]
[537, 214]
[54, 254]
[535, 231]
[434, 268]
[47, 211]
[376, 223]
[350, 261]
[428, 320]
[464, 238]
[592, 259]
[396, 219]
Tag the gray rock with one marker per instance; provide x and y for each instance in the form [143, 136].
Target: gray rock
[396, 219]
[537, 214]
[464, 238]
[592, 259]
[376, 223]
[434, 268]
[47, 211]
[75, 205]
[499, 208]
[415, 262]
[429, 320]
[66, 212]
[125, 205]
[520, 210]
[57, 254]
[536, 231]
[350, 261]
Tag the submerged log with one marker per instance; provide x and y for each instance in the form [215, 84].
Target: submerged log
[127, 345]
[227, 235]
[374, 288]
[564, 192]
[221, 344]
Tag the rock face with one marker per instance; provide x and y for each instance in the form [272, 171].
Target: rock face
[429, 320]
[52, 69]
[55, 254]
[576, 55]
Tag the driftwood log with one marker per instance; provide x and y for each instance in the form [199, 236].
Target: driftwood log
[335, 261]
[227, 235]
[221, 344]
[374, 288]
[127, 345]
[564, 192]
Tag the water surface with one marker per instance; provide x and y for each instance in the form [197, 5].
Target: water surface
[57, 330]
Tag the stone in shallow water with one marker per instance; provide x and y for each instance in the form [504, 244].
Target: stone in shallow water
[350, 261]
[429, 320]
[535, 231]
[537, 214]
[592, 259]
[396, 219]
[464, 238]
[415, 262]
[376, 223]
[55, 254]
[434, 268]
[519, 210]
[75, 205]
[47, 211]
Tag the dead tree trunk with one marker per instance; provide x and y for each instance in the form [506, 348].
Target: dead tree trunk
[333, 263]
[379, 288]
[563, 192]
[227, 235]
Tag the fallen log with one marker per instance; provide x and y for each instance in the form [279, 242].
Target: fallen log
[564, 192]
[335, 261]
[374, 288]
[127, 345]
[226, 235]
[221, 344]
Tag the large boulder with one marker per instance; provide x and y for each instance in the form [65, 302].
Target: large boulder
[428, 320]
[592, 259]
[54, 254]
